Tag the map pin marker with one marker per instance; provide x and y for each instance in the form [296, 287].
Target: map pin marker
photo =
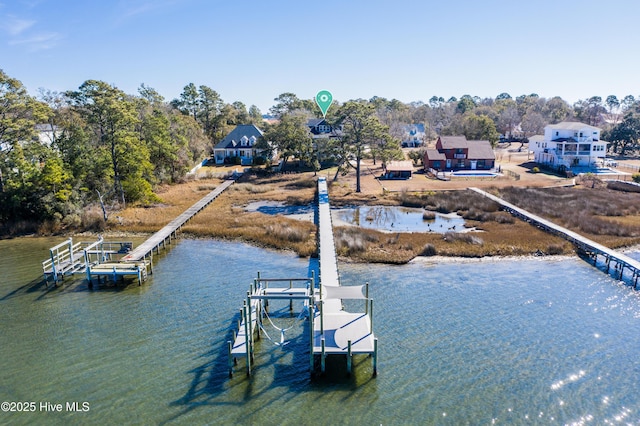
[324, 100]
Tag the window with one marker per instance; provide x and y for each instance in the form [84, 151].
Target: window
[557, 134]
[252, 140]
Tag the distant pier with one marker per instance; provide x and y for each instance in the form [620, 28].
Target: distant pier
[332, 330]
[118, 259]
[582, 244]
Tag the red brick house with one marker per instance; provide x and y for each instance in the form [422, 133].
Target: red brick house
[457, 153]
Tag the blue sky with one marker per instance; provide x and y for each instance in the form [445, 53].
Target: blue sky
[252, 51]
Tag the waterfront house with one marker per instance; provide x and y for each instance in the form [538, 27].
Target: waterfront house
[569, 144]
[239, 145]
[458, 153]
[413, 135]
[319, 128]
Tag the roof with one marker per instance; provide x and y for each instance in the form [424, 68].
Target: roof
[536, 138]
[399, 166]
[571, 125]
[453, 142]
[314, 122]
[434, 154]
[481, 150]
[233, 138]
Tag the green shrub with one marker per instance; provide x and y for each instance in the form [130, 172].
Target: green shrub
[536, 169]
[636, 177]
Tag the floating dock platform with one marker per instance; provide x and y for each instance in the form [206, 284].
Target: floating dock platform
[331, 329]
[93, 259]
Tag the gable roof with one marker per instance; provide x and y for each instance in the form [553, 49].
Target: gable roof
[233, 138]
[481, 150]
[315, 122]
[434, 154]
[453, 142]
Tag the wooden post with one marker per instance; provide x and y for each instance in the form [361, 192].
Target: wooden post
[250, 318]
[375, 357]
[246, 340]
[290, 300]
[230, 361]
[366, 301]
[349, 357]
[311, 334]
[322, 357]
[371, 317]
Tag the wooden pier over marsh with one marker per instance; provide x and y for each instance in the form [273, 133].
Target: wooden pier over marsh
[584, 245]
[163, 235]
[332, 330]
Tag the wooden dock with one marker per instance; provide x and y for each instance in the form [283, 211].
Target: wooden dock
[584, 245]
[93, 259]
[154, 242]
[332, 330]
[96, 259]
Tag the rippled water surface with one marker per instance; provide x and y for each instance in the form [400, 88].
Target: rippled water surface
[530, 341]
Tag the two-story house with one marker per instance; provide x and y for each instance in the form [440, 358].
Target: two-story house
[413, 135]
[569, 144]
[239, 143]
[457, 153]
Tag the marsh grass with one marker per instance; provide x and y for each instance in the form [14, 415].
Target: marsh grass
[615, 215]
[596, 213]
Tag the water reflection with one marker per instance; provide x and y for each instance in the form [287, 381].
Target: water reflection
[398, 219]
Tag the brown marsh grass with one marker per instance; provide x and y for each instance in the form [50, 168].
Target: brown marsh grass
[609, 217]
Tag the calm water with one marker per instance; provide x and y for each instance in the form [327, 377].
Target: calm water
[507, 342]
[398, 219]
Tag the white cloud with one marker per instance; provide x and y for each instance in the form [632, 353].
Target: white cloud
[16, 26]
[41, 41]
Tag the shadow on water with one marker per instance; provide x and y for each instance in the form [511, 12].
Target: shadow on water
[36, 285]
[279, 372]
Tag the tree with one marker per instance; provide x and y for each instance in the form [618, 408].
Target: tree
[503, 96]
[508, 120]
[21, 154]
[480, 127]
[255, 116]
[361, 129]
[285, 103]
[556, 110]
[532, 124]
[466, 103]
[112, 117]
[625, 135]
[292, 138]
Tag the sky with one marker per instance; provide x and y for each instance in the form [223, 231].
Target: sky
[253, 51]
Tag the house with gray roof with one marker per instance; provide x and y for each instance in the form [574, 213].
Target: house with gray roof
[457, 153]
[239, 143]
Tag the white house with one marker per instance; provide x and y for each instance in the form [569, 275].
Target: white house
[239, 143]
[569, 144]
[413, 135]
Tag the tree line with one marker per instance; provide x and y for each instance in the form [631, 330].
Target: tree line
[105, 148]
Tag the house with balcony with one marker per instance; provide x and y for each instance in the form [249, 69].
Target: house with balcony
[569, 144]
[238, 145]
[458, 153]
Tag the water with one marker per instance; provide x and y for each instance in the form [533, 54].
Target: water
[397, 219]
[531, 341]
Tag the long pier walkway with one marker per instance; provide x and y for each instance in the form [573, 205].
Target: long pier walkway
[583, 244]
[159, 238]
[97, 259]
[332, 329]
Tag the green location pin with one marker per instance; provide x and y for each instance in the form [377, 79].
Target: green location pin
[324, 99]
